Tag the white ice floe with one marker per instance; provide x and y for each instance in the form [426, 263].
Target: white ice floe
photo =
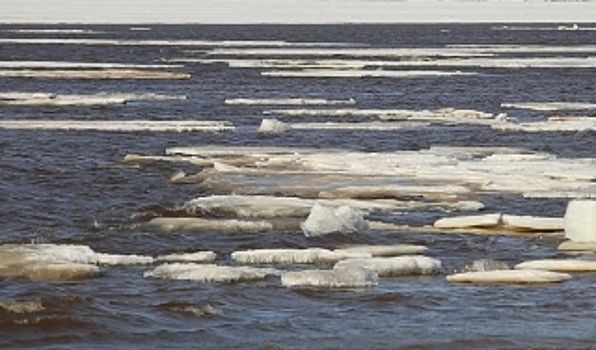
[324, 220]
[84, 65]
[559, 265]
[348, 52]
[384, 250]
[509, 277]
[552, 124]
[287, 101]
[53, 31]
[197, 257]
[580, 221]
[176, 224]
[394, 191]
[445, 115]
[336, 278]
[37, 98]
[295, 256]
[62, 271]
[394, 266]
[230, 44]
[118, 126]
[99, 74]
[119, 259]
[550, 106]
[487, 220]
[532, 223]
[362, 126]
[361, 73]
[210, 273]
[571, 246]
[273, 126]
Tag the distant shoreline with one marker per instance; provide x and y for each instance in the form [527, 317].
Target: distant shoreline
[136, 12]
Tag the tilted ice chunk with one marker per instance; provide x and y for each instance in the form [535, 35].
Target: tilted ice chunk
[484, 265]
[167, 224]
[580, 221]
[509, 277]
[325, 220]
[336, 278]
[469, 221]
[273, 126]
[395, 266]
[294, 256]
[560, 265]
[197, 257]
[210, 273]
[532, 223]
[385, 250]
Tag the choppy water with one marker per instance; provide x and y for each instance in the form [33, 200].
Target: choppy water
[68, 187]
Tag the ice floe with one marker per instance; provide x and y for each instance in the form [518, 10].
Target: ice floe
[509, 277]
[176, 224]
[324, 220]
[118, 126]
[286, 101]
[394, 266]
[362, 73]
[559, 265]
[83, 65]
[274, 126]
[484, 265]
[295, 256]
[572, 247]
[197, 257]
[336, 278]
[552, 124]
[580, 221]
[43, 99]
[210, 273]
[22, 307]
[99, 74]
[550, 106]
[384, 250]
[487, 220]
[532, 223]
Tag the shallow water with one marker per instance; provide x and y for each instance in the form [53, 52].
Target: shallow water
[69, 187]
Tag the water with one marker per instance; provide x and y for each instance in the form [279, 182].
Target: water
[68, 187]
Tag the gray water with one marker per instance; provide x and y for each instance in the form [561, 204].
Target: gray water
[69, 187]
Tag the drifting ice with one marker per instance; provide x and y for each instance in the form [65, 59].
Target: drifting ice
[325, 220]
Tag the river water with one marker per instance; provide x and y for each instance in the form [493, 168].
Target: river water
[70, 187]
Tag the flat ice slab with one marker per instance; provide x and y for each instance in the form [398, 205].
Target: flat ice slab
[210, 273]
[570, 246]
[532, 223]
[336, 278]
[385, 250]
[395, 266]
[117, 126]
[509, 277]
[559, 265]
[487, 220]
[170, 224]
[294, 256]
[196, 257]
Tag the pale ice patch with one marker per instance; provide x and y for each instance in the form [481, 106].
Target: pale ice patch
[22, 307]
[286, 101]
[324, 220]
[580, 221]
[295, 256]
[210, 273]
[37, 98]
[98, 74]
[364, 126]
[273, 126]
[559, 265]
[53, 31]
[336, 278]
[119, 259]
[394, 266]
[176, 224]
[550, 106]
[363, 73]
[76, 65]
[552, 124]
[385, 250]
[570, 246]
[197, 257]
[484, 265]
[118, 126]
[487, 220]
[509, 277]
[532, 223]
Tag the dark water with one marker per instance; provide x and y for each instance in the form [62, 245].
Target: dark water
[67, 187]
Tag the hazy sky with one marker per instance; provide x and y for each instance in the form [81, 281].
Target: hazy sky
[291, 11]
